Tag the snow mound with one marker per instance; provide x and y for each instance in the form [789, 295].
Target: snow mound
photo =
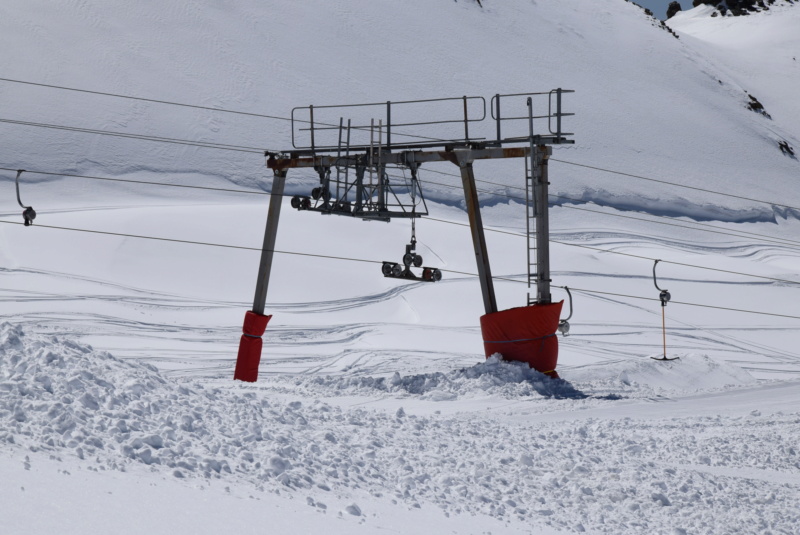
[494, 377]
[66, 399]
[690, 373]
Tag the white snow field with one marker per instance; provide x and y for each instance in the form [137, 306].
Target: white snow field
[375, 409]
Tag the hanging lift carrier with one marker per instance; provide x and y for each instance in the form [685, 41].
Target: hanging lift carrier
[354, 159]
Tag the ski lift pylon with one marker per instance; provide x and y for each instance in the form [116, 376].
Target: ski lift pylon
[664, 297]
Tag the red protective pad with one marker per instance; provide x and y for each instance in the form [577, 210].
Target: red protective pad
[524, 334]
[255, 324]
[250, 347]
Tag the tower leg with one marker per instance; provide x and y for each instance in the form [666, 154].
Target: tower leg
[255, 322]
[541, 184]
[464, 162]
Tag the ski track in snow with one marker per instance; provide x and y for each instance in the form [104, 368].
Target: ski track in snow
[697, 474]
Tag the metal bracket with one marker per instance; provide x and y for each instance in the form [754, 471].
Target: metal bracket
[29, 214]
[563, 325]
[664, 296]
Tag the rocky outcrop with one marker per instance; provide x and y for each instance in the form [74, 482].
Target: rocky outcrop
[738, 7]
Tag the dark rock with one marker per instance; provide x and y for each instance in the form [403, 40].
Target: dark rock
[673, 9]
[756, 106]
[786, 148]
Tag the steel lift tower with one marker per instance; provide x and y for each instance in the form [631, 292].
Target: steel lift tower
[351, 157]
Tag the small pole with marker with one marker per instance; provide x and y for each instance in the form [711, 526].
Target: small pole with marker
[664, 297]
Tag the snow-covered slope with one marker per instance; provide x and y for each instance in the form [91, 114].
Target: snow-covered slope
[761, 52]
[640, 90]
[63, 399]
[376, 410]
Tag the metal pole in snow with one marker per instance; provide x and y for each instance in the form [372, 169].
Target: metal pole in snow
[464, 161]
[543, 296]
[270, 235]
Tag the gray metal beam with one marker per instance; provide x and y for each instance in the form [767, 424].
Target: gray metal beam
[270, 235]
[543, 296]
[463, 158]
[401, 158]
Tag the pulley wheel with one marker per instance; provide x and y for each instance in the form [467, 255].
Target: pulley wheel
[417, 260]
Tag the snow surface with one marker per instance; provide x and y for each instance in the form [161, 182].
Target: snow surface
[67, 401]
[375, 409]
[646, 102]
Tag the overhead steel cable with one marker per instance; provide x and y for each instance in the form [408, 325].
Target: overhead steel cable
[583, 201]
[776, 241]
[263, 193]
[666, 182]
[145, 182]
[682, 303]
[156, 101]
[698, 223]
[599, 249]
[738, 234]
[275, 117]
[189, 242]
[142, 137]
[198, 107]
[348, 259]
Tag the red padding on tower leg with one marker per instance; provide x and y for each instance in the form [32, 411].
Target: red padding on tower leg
[524, 334]
[250, 347]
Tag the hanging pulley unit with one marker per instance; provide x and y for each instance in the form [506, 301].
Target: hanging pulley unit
[411, 259]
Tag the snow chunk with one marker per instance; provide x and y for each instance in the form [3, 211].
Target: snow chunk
[494, 377]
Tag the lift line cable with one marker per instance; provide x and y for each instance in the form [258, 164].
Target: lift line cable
[675, 184]
[430, 218]
[626, 254]
[615, 215]
[595, 292]
[240, 247]
[142, 137]
[699, 224]
[775, 241]
[195, 106]
[227, 190]
[190, 242]
[768, 239]
[275, 117]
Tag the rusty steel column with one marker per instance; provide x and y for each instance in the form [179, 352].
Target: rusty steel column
[541, 175]
[463, 158]
[270, 235]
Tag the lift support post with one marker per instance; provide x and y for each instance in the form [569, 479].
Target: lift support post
[255, 322]
[270, 235]
[463, 158]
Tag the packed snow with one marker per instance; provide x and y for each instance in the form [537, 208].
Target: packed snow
[376, 409]
[84, 406]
